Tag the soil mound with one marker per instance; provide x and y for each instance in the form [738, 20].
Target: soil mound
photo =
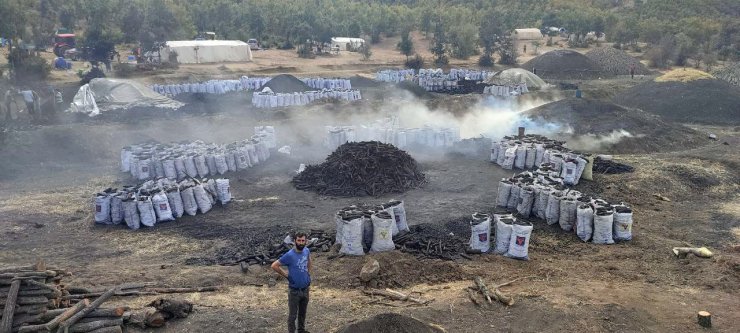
[599, 126]
[286, 83]
[706, 101]
[414, 89]
[360, 169]
[565, 65]
[390, 323]
[684, 75]
[616, 62]
[729, 73]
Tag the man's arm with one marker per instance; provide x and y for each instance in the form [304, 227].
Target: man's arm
[310, 266]
[277, 267]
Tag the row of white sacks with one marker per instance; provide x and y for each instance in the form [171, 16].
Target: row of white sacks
[221, 87]
[273, 100]
[539, 195]
[511, 236]
[400, 137]
[373, 229]
[195, 159]
[514, 90]
[399, 75]
[159, 201]
[570, 166]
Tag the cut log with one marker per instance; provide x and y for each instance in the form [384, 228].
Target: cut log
[483, 289]
[472, 297]
[701, 252]
[51, 325]
[147, 317]
[109, 329]
[7, 321]
[43, 274]
[183, 290]
[176, 308]
[79, 290]
[38, 266]
[94, 325]
[395, 295]
[705, 319]
[27, 300]
[40, 285]
[128, 292]
[94, 305]
[501, 297]
[24, 318]
[101, 312]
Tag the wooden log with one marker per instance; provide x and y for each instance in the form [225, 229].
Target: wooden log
[94, 325]
[472, 297]
[100, 312]
[54, 323]
[705, 319]
[503, 298]
[483, 289]
[43, 274]
[147, 317]
[7, 321]
[30, 309]
[38, 266]
[701, 252]
[109, 329]
[25, 318]
[128, 292]
[395, 295]
[183, 290]
[40, 285]
[94, 305]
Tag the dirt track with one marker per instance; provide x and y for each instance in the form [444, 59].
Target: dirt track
[637, 286]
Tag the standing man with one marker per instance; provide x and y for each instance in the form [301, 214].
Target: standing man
[632, 70]
[32, 102]
[298, 262]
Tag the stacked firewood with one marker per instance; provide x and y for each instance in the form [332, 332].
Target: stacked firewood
[34, 299]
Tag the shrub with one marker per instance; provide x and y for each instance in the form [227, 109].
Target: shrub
[29, 67]
[485, 60]
[416, 62]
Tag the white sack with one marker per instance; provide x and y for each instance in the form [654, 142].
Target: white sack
[224, 190]
[622, 223]
[480, 232]
[352, 237]
[102, 208]
[131, 214]
[603, 221]
[399, 215]
[175, 200]
[162, 207]
[382, 232]
[116, 209]
[585, 222]
[202, 198]
[504, 190]
[201, 166]
[503, 235]
[526, 199]
[190, 206]
[519, 241]
[567, 215]
[513, 197]
[146, 211]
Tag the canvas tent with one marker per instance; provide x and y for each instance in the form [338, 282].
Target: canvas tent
[101, 95]
[526, 34]
[347, 43]
[207, 51]
[514, 76]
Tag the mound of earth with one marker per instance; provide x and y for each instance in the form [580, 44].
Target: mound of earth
[705, 101]
[390, 323]
[414, 89]
[360, 169]
[729, 73]
[564, 65]
[358, 82]
[599, 126]
[517, 75]
[683, 75]
[286, 83]
[616, 62]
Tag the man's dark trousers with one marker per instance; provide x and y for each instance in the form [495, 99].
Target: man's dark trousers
[297, 305]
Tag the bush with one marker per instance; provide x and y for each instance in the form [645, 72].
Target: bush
[441, 60]
[29, 67]
[286, 45]
[485, 60]
[365, 51]
[416, 62]
[305, 51]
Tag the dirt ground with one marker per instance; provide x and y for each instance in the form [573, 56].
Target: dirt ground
[49, 174]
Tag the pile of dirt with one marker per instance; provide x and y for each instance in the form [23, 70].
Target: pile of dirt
[390, 323]
[599, 126]
[616, 62]
[565, 65]
[705, 101]
[684, 75]
[414, 89]
[286, 83]
[729, 73]
[360, 169]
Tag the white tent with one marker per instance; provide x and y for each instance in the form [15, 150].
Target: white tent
[526, 34]
[102, 95]
[347, 43]
[207, 51]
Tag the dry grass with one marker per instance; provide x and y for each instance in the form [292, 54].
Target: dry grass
[684, 75]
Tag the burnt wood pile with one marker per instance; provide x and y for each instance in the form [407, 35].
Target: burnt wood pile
[603, 166]
[368, 168]
[33, 298]
[431, 241]
[265, 249]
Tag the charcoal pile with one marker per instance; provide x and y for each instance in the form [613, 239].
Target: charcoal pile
[607, 166]
[390, 323]
[34, 299]
[286, 83]
[262, 246]
[616, 62]
[729, 73]
[564, 65]
[361, 169]
[431, 241]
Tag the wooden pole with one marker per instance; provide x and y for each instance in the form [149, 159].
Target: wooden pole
[6, 324]
[94, 305]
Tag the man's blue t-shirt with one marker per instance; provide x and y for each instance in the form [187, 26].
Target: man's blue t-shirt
[297, 263]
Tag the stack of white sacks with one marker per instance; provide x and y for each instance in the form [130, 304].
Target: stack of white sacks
[511, 236]
[159, 201]
[182, 160]
[541, 194]
[514, 90]
[269, 99]
[218, 87]
[370, 229]
[437, 80]
[322, 83]
[533, 150]
[395, 75]
[388, 131]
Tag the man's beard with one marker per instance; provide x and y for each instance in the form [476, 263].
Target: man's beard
[300, 247]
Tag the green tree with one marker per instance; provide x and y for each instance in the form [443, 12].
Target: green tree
[366, 51]
[406, 45]
[462, 40]
[489, 33]
[439, 45]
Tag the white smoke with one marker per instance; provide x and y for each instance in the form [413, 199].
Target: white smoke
[594, 142]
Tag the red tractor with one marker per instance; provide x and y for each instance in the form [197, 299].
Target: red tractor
[63, 41]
